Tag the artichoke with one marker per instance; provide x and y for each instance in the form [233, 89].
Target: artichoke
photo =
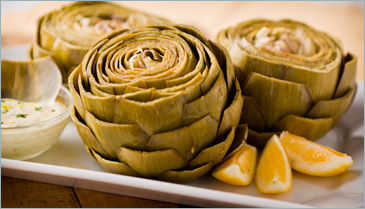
[67, 34]
[158, 101]
[293, 77]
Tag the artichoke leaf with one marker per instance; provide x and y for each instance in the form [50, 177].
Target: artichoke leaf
[185, 176]
[88, 137]
[73, 86]
[189, 140]
[114, 166]
[240, 139]
[348, 78]
[252, 114]
[308, 128]
[212, 102]
[113, 136]
[334, 108]
[156, 116]
[259, 139]
[232, 113]
[272, 94]
[151, 164]
[100, 107]
[225, 62]
[214, 153]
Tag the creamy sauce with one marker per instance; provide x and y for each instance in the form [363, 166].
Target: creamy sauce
[15, 113]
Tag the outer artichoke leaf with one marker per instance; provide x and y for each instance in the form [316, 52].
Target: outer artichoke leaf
[157, 116]
[259, 139]
[151, 164]
[70, 56]
[308, 128]
[74, 89]
[99, 106]
[332, 108]
[348, 77]
[226, 64]
[252, 115]
[321, 82]
[114, 166]
[189, 140]
[232, 114]
[185, 176]
[240, 139]
[113, 135]
[214, 153]
[88, 137]
[212, 102]
[88, 150]
[282, 96]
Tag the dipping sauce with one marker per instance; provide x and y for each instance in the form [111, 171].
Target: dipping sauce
[15, 113]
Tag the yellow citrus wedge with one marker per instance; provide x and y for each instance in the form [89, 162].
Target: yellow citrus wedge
[312, 158]
[273, 174]
[239, 168]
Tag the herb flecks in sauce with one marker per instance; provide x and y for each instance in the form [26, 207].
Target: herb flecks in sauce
[21, 115]
[16, 113]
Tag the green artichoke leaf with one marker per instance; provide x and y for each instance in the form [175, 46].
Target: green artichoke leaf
[113, 136]
[240, 139]
[157, 116]
[272, 94]
[334, 108]
[88, 137]
[232, 113]
[213, 154]
[185, 176]
[93, 103]
[114, 166]
[252, 114]
[188, 140]
[226, 64]
[308, 128]
[348, 78]
[73, 85]
[259, 139]
[212, 102]
[151, 164]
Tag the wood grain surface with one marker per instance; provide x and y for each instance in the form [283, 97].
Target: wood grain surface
[345, 20]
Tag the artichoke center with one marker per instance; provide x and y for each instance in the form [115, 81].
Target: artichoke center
[145, 59]
[103, 24]
[280, 39]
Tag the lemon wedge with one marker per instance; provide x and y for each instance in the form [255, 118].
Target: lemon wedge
[273, 174]
[312, 158]
[239, 168]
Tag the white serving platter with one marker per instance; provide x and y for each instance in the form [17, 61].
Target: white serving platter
[67, 163]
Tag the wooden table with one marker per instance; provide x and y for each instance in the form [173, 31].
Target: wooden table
[344, 20]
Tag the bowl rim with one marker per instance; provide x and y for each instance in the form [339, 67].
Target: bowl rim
[65, 112]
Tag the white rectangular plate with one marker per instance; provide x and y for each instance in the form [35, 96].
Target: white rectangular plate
[67, 163]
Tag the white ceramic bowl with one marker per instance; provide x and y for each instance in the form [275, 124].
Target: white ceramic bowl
[30, 141]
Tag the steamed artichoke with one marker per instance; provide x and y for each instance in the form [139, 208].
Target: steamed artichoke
[67, 34]
[292, 76]
[159, 101]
